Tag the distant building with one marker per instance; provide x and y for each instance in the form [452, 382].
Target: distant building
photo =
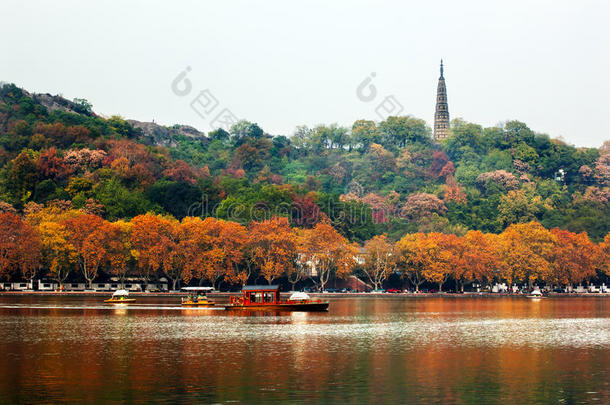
[441, 116]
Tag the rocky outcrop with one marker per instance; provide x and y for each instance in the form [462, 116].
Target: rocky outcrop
[53, 103]
[155, 134]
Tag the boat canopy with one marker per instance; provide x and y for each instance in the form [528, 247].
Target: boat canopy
[120, 293]
[261, 288]
[299, 296]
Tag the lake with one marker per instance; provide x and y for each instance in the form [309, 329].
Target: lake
[379, 350]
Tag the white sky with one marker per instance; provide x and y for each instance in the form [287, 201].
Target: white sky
[286, 63]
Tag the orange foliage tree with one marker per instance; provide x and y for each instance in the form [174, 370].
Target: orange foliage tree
[120, 249]
[90, 236]
[151, 243]
[273, 247]
[525, 252]
[411, 258]
[574, 257]
[212, 249]
[479, 259]
[19, 246]
[328, 252]
[444, 253]
[58, 253]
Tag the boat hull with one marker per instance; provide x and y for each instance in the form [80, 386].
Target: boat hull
[198, 304]
[307, 306]
[124, 301]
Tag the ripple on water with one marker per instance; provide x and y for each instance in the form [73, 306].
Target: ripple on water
[401, 333]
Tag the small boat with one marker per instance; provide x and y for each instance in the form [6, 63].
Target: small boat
[197, 297]
[535, 294]
[268, 298]
[120, 297]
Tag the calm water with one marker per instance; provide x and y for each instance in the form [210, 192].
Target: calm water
[506, 350]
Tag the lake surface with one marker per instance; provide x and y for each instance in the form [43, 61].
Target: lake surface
[376, 350]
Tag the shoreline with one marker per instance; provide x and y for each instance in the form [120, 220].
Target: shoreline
[313, 295]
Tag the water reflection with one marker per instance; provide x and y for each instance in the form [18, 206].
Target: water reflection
[69, 349]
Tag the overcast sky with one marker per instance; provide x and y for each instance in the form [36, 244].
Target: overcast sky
[286, 63]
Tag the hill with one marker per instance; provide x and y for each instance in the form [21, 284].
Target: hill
[372, 178]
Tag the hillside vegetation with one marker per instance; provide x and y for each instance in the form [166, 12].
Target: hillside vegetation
[367, 180]
[84, 197]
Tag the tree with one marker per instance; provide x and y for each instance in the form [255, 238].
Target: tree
[19, 247]
[90, 236]
[58, 253]
[422, 205]
[519, 206]
[397, 132]
[573, 258]
[244, 130]
[174, 260]
[525, 252]
[479, 259]
[364, 133]
[411, 258]
[20, 177]
[212, 249]
[51, 166]
[273, 246]
[120, 249]
[379, 260]
[500, 177]
[382, 160]
[148, 238]
[305, 211]
[443, 254]
[328, 252]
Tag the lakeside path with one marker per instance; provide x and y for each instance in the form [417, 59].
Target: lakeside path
[314, 295]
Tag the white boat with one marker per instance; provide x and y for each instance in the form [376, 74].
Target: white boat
[535, 294]
[120, 297]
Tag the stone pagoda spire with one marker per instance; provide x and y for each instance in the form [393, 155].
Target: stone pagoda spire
[441, 116]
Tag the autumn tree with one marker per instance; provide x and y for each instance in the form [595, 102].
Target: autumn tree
[329, 253]
[443, 255]
[573, 258]
[421, 205]
[19, 247]
[58, 253]
[212, 249]
[273, 247]
[119, 249]
[152, 241]
[500, 177]
[90, 236]
[525, 252]
[429, 257]
[379, 260]
[479, 259]
[411, 258]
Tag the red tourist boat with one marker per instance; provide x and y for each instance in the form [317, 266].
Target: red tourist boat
[268, 298]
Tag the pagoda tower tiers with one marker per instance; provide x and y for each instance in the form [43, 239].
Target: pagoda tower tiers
[441, 116]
